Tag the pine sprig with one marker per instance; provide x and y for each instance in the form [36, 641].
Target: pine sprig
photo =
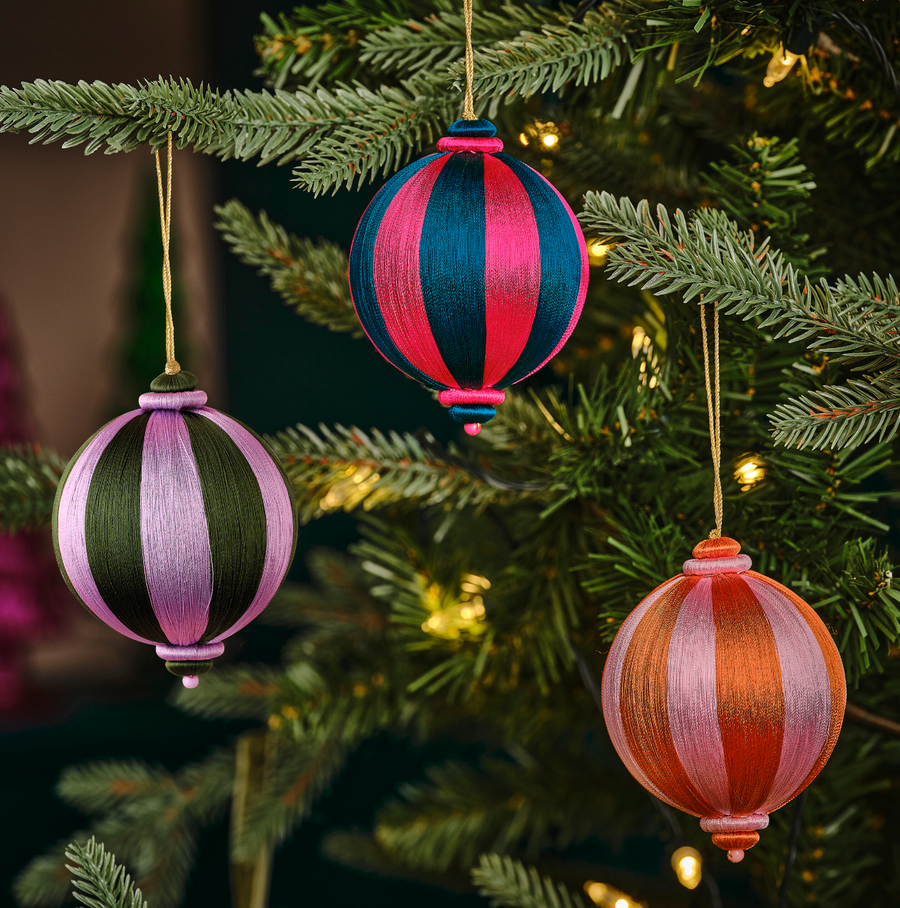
[382, 125]
[462, 811]
[346, 468]
[98, 880]
[433, 43]
[508, 882]
[28, 480]
[381, 137]
[310, 277]
[549, 58]
[708, 258]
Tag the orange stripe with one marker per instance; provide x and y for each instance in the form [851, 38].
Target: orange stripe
[835, 670]
[749, 693]
[643, 705]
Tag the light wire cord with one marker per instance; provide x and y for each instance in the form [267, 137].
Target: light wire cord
[165, 218]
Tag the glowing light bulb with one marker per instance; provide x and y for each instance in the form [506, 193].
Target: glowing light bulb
[596, 891]
[523, 138]
[749, 470]
[550, 140]
[597, 251]
[621, 903]
[687, 864]
[779, 66]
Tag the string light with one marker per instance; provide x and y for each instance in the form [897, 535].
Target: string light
[598, 249]
[608, 896]
[779, 66]
[463, 613]
[688, 866]
[545, 133]
[350, 488]
[642, 345]
[749, 471]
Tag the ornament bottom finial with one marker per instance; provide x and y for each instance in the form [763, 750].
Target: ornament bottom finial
[735, 834]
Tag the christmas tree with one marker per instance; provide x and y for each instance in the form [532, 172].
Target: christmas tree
[733, 154]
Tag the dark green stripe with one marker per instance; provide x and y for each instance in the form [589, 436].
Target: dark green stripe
[113, 531]
[236, 519]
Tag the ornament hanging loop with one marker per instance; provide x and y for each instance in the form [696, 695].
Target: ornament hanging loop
[713, 407]
[165, 217]
[468, 108]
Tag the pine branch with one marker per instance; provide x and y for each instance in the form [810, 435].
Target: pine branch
[321, 44]
[310, 277]
[99, 881]
[355, 131]
[381, 137]
[28, 480]
[839, 416]
[508, 882]
[462, 811]
[433, 43]
[708, 258]
[564, 52]
[232, 692]
[344, 469]
[96, 788]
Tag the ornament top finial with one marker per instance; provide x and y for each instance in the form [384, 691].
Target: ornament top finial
[475, 128]
[723, 547]
[180, 381]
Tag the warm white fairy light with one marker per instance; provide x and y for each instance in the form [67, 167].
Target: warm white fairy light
[451, 617]
[608, 896]
[688, 866]
[779, 66]
[749, 471]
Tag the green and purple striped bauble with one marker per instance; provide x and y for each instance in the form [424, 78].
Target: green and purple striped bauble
[175, 525]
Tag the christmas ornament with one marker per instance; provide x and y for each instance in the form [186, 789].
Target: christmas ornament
[723, 692]
[175, 524]
[468, 269]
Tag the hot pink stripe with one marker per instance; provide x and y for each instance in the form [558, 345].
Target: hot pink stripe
[691, 697]
[612, 685]
[174, 531]
[279, 515]
[807, 692]
[512, 279]
[395, 274]
[71, 534]
[585, 273]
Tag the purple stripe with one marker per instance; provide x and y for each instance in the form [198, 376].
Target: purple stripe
[174, 532]
[71, 529]
[279, 514]
[807, 692]
[691, 697]
[612, 685]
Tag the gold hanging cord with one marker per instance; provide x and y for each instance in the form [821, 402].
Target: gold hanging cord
[165, 217]
[468, 109]
[714, 409]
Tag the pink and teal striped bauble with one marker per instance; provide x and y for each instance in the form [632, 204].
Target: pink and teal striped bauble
[175, 525]
[468, 271]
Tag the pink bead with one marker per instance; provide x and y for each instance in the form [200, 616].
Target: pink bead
[735, 855]
[472, 428]
[191, 681]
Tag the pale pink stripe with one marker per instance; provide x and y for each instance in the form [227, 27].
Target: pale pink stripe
[807, 692]
[708, 566]
[279, 515]
[691, 697]
[396, 275]
[512, 269]
[174, 531]
[612, 685]
[70, 528]
[585, 273]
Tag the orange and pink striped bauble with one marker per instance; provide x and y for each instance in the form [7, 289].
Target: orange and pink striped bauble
[723, 694]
